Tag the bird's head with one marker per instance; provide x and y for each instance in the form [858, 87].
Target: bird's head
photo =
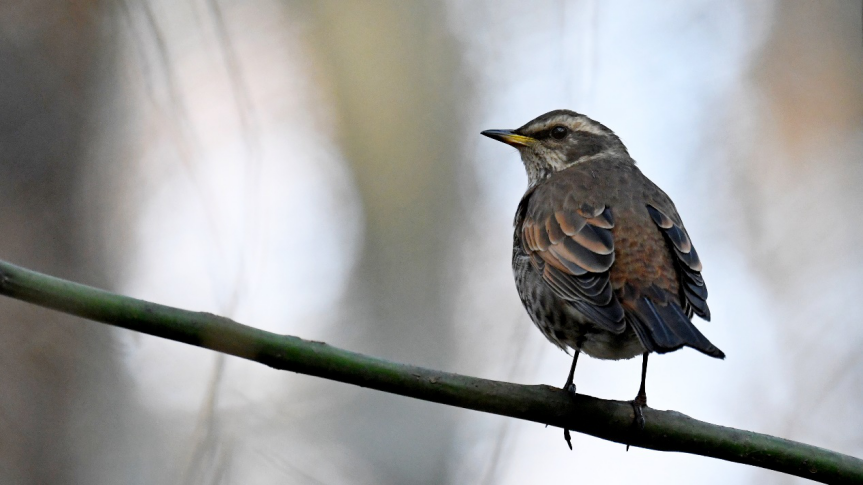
[557, 140]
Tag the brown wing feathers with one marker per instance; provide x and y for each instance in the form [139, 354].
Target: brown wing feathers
[574, 250]
[687, 262]
[655, 314]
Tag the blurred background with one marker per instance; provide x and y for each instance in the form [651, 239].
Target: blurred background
[316, 169]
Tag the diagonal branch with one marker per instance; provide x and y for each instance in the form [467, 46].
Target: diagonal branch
[610, 420]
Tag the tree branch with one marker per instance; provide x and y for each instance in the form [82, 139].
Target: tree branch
[610, 420]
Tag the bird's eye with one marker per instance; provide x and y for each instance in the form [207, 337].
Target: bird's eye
[558, 132]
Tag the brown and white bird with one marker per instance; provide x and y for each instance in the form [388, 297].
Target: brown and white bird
[602, 262]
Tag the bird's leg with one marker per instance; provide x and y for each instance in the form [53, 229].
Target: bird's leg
[570, 388]
[640, 400]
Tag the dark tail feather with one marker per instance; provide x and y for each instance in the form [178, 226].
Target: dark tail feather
[665, 328]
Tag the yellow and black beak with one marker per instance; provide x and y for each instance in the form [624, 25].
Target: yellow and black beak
[510, 137]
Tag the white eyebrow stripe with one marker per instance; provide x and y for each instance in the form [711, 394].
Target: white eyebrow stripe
[574, 125]
[590, 128]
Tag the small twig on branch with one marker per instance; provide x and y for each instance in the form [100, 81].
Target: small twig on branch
[610, 420]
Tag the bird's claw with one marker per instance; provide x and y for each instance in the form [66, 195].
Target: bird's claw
[638, 404]
[639, 414]
[569, 387]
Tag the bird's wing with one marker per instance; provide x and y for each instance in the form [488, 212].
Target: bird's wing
[687, 262]
[659, 308]
[570, 243]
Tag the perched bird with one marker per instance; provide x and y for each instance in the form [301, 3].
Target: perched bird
[601, 260]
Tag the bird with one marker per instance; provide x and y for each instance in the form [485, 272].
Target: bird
[601, 259]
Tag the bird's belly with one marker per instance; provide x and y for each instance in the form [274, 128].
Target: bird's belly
[563, 325]
[603, 344]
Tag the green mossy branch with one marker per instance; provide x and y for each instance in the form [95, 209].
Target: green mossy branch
[610, 420]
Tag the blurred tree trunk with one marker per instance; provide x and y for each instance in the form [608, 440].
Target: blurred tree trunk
[393, 70]
[61, 412]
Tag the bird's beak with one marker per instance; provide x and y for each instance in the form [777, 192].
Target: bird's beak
[510, 137]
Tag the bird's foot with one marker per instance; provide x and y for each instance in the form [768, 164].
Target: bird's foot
[638, 404]
[569, 387]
